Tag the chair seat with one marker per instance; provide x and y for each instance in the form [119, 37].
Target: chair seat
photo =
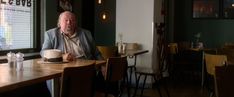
[147, 71]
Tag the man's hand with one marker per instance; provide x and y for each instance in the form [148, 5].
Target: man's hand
[68, 57]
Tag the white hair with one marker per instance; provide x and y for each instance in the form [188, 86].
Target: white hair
[61, 14]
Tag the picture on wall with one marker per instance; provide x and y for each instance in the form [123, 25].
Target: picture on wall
[228, 8]
[205, 8]
[64, 5]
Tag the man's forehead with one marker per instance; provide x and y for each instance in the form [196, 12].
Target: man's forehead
[68, 15]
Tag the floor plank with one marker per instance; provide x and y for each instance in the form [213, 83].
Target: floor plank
[176, 89]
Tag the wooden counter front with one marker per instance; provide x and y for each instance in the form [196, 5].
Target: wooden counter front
[34, 73]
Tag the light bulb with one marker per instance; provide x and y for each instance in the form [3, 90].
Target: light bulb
[233, 5]
[99, 1]
[103, 16]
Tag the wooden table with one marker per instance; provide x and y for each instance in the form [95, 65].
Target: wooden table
[34, 72]
[135, 52]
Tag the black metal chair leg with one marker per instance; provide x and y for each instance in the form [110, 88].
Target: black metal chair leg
[135, 73]
[130, 75]
[157, 86]
[128, 86]
[106, 94]
[106, 87]
[143, 87]
[166, 89]
[137, 83]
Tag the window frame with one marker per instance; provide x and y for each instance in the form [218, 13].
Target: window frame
[36, 33]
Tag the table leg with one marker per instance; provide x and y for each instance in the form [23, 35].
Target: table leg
[55, 87]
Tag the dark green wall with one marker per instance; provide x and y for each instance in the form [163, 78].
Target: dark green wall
[87, 17]
[105, 30]
[52, 12]
[214, 32]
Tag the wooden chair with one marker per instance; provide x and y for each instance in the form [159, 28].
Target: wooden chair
[78, 81]
[188, 65]
[211, 62]
[149, 72]
[184, 45]
[224, 78]
[171, 51]
[173, 48]
[211, 51]
[155, 74]
[108, 51]
[116, 72]
[132, 46]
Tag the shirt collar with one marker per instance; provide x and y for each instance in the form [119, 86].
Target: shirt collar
[74, 35]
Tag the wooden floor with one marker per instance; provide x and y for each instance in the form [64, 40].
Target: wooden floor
[176, 89]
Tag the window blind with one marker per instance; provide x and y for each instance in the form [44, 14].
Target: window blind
[16, 24]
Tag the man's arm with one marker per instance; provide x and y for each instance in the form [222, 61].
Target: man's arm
[95, 52]
[47, 43]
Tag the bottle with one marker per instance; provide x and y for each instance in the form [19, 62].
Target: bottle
[11, 59]
[120, 47]
[19, 61]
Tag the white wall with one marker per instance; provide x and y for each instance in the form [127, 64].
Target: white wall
[134, 20]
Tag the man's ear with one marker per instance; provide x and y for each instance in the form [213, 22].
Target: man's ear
[58, 24]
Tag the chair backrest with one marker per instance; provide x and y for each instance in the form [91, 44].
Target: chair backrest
[108, 51]
[193, 58]
[184, 45]
[132, 46]
[214, 60]
[78, 81]
[116, 68]
[173, 48]
[211, 51]
[224, 78]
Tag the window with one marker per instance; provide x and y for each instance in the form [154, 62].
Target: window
[228, 9]
[18, 24]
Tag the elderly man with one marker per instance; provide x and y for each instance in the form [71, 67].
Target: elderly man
[74, 42]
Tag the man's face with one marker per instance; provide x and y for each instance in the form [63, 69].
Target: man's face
[68, 23]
